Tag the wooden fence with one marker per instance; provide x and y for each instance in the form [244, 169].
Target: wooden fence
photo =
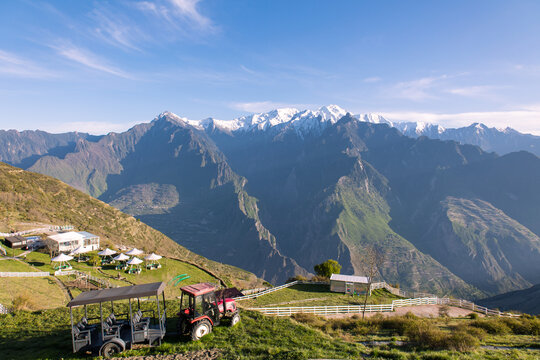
[91, 278]
[24, 274]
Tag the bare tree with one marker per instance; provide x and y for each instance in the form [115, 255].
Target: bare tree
[373, 259]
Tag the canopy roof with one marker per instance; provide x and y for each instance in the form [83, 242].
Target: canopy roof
[152, 257]
[62, 257]
[134, 252]
[198, 289]
[121, 257]
[79, 250]
[120, 293]
[134, 261]
[350, 278]
[106, 252]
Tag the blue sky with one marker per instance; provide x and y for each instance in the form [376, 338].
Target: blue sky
[102, 66]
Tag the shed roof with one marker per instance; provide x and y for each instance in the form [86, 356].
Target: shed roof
[16, 239]
[87, 235]
[350, 278]
[121, 293]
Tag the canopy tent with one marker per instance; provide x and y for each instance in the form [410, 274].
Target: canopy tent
[153, 258]
[121, 257]
[134, 252]
[134, 261]
[80, 250]
[63, 260]
[106, 252]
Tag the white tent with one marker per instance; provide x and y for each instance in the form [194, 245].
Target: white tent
[106, 252]
[121, 257]
[134, 261]
[134, 252]
[62, 258]
[152, 257]
[79, 250]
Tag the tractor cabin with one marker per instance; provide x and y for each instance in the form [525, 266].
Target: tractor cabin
[349, 284]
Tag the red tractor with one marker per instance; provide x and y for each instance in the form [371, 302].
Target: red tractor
[200, 310]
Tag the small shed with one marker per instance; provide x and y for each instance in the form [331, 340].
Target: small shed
[349, 284]
[16, 242]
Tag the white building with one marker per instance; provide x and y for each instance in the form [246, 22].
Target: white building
[69, 241]
[349, 284]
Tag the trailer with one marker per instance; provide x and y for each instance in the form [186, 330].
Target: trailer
[109, 335]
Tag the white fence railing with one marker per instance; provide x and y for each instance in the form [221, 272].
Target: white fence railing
[39, 230]
[4, 309]
[357, 309]
[24, 274]
[323, 310]
[252, 296]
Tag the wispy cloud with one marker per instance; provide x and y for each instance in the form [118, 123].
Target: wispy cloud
[262, 106]
[90, 60]
[14, 65]
[417, 90]
[525, 119]
[372, 79]
[474, 91]
[91, 127]
[116, 29]
[179, 14]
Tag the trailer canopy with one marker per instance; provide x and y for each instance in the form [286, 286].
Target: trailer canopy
[121, 293]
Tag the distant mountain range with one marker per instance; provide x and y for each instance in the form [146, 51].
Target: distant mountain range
[277, 193]
[527, 301]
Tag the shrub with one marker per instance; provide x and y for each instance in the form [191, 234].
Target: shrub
[23, 301]
[327, 268]
[424, 334]
[473, 316]
[492, 326]
[461, 341]
[444, 311]
[94, 260]
[523, 325]
[397, 323]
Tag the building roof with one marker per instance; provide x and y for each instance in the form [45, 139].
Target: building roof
[16, 239]
[198, 289]
[350, 278]
[67, 236]
[120, 293]
[87, 234]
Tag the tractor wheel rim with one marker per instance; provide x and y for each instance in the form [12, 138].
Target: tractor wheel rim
[201, 331]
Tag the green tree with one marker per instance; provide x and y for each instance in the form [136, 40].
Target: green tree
[327, 268]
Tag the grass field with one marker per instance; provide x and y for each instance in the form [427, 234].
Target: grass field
[44, 293]
[46, 335]
[14, 266]
[315, 295]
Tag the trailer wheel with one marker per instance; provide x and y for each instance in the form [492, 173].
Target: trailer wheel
[235, 319]
[202, 328]
[110, 349]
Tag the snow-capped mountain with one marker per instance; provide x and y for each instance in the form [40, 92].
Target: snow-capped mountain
[305, 122]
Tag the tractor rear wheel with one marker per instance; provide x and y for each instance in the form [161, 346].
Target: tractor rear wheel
[200, 329]
[182, 325]
[235, 319]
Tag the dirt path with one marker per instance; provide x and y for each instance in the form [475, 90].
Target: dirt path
[191, 355]
[418, 310]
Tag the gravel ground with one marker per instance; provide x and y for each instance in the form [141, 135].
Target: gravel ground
[191, 355]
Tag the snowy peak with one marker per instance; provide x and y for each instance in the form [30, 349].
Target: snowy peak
[373, 119]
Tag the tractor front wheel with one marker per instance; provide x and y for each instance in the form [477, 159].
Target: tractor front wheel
[200, 329]
[235, 319]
